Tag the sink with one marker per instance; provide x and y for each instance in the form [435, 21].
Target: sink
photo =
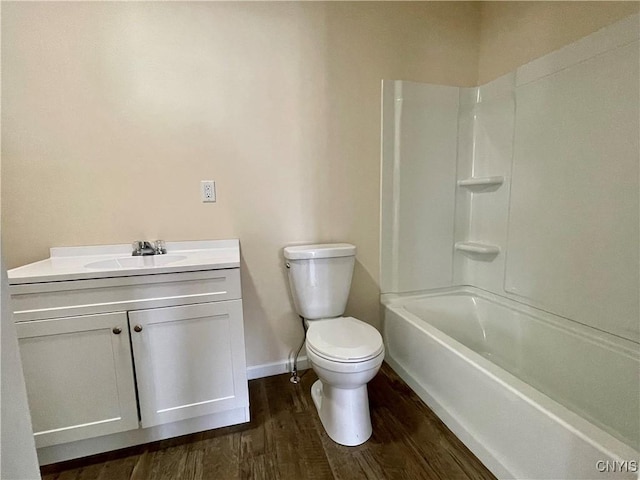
[145, 261]
[112, 261]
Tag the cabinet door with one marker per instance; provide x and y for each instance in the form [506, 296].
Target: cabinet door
[79, 377]
[189, 360]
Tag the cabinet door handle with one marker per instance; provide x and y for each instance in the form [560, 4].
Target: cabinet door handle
[138, 328]
[117, 330]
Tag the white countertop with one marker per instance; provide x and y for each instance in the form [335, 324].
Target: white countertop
[101, 261]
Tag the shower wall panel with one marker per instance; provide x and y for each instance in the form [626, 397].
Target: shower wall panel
[573, 223]
[419, 144]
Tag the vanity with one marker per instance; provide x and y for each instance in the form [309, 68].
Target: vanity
[119, 350]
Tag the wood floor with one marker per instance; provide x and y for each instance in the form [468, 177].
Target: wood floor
[285, 440]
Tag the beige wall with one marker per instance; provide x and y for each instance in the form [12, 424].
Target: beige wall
[514, 33]
[112, 113]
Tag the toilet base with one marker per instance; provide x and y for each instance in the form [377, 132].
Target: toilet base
[344, 413]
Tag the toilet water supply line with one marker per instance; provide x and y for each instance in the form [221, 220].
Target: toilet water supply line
[294, 373]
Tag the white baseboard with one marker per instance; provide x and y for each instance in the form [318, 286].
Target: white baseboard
[276, 368]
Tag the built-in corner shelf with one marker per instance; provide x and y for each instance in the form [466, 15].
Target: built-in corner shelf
[479, 248]
[481, 183]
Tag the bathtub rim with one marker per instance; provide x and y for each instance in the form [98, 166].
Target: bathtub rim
[594, 435]
[622, 345]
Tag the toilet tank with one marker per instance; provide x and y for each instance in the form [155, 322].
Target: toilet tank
[320, 278]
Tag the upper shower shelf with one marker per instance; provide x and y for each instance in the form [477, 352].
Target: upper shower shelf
[481, 183]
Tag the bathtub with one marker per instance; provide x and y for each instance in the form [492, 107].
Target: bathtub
[531, 394]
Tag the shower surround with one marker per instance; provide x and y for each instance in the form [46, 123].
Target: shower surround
[509, 257]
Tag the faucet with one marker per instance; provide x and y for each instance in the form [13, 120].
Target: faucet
[143, 248]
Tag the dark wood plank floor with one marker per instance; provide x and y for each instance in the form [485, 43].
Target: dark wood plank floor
[285, 440]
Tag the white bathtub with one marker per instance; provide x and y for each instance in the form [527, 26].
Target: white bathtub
[531, 394]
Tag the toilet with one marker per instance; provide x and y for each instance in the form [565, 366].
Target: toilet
[345, 352]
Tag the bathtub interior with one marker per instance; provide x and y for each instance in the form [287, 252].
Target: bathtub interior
[591, 373]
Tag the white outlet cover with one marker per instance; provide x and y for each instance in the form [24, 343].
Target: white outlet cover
[208, 191]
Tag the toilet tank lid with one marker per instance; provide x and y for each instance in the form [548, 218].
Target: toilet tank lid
[324, 250]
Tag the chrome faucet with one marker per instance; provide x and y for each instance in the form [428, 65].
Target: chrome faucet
[142, 248]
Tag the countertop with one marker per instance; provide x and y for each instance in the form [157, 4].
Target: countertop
[71, 263]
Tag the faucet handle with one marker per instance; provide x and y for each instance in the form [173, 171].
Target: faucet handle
[137, 246]
[160, 247]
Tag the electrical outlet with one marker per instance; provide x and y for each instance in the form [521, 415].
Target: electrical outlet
[208, 191]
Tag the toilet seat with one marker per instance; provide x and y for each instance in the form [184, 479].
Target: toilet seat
[344, 340]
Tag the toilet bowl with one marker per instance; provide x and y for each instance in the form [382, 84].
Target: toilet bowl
[346, 353]
[340, 395]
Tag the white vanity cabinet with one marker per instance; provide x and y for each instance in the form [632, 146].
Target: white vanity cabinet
[112, 360]
[79, 377]
[187, 360]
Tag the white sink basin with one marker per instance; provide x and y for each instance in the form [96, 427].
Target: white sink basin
[145, 261]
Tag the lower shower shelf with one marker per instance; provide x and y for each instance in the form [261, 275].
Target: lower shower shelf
[479, 248]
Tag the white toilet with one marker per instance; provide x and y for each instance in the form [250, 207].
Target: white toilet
[344, 352]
